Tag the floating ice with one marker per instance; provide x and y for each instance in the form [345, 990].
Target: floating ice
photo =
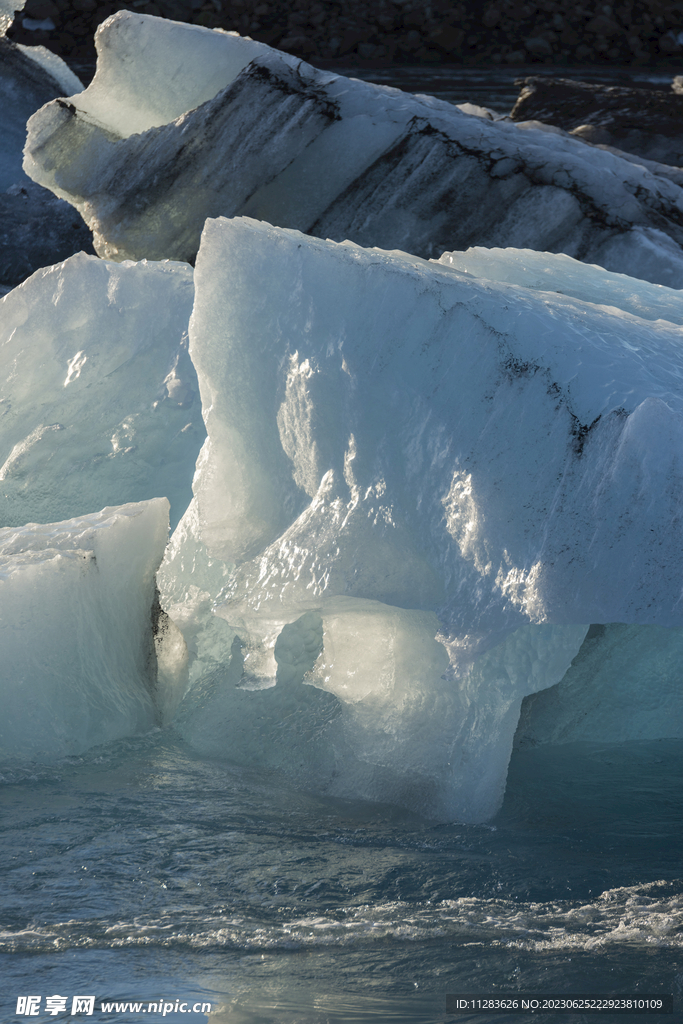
[76, 640]
[255, 132]
[441, 477]
[35, 228]
[28, 80]
[98, 397]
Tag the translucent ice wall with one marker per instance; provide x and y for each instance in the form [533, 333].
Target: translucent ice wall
[181, 124]
[99, 399]
[419, 485]
[144, 79]
[77, 661]
[626, 683]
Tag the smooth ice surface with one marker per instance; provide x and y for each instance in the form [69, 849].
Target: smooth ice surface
[76, 644]
[441, 476]
[255, 132]
[144, 79]
[98, 397]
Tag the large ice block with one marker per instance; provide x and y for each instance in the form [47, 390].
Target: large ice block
[256, 132]
[451, 467]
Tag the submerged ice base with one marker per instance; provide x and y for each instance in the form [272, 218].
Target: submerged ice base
[422, 480]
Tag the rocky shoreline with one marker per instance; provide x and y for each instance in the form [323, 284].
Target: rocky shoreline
[465, 32]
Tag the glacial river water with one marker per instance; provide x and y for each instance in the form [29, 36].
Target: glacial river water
[140, 872]
[495, 87]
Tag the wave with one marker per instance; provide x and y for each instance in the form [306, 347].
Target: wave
[648, 915]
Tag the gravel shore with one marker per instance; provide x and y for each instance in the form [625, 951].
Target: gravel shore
[396, 31]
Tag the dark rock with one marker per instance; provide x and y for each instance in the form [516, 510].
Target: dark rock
[646, 122]
[298, 43]
[538, 46]
[603, 26]
[448, 38]
[648, 33]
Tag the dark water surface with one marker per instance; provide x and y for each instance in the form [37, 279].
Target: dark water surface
[139, 871]
[495, 87]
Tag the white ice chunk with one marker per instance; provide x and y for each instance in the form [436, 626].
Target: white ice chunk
[364, 704]
[98, 397]
[76, 630]
[498, 436]
[415, 733]
[454, 473]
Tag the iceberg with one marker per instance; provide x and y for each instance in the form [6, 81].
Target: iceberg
[77, 601]
[421, 482]
[232, 127]
[36, 229]
[28, 80]
[99, 403]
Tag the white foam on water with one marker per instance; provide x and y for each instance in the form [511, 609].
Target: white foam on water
[640, 916]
